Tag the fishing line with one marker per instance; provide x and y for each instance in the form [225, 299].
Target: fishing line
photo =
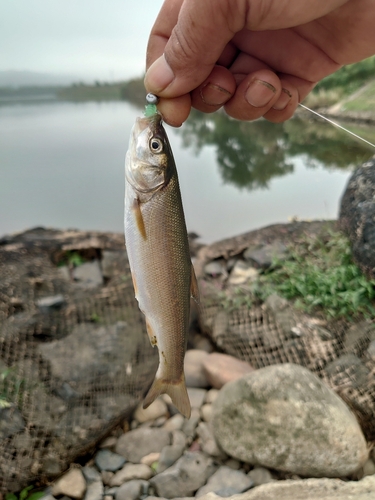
[337, 125]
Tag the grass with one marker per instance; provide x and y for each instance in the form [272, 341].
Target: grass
[25, 494]
[320, 274]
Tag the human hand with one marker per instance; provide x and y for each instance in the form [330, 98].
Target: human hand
[254, 57]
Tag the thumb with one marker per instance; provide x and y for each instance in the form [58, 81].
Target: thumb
[186, 42]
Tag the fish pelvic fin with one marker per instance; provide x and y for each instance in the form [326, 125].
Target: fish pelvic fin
[175, 389]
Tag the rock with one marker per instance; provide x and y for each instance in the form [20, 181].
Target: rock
[136, 444]
[284, 417]
[156, 409]
[50, 304]
[131, 471]
[11, 421]
[358, 337]
[190, 425]
[264, 255]
[194, 374]
[208, 442]
[72, 484]
[348, 369]
[108, 442]
[206, 412]
[88, 274]
[243, 272]
[107, 476]
[91, 474]
[369, 468]
[222, 368]
[179, 438]
[228, 481]
[260, 475]
[107, 460]
[216, 268]
[150, 459]
[196, 396]
[94, 491]
[211, 395]
[371, 350]
[112, 261]
[310, 489]
[188, 474]
[233, 463]
[174, 423]
[168, 456]
[133, 490]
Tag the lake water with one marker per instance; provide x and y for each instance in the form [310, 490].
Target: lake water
[62, 166]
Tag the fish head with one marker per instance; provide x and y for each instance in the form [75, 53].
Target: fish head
[147, 162]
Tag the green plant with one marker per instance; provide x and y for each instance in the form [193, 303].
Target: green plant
[320, 273]
[24, 494]
[236, 298]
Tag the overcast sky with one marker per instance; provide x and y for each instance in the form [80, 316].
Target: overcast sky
[104, 39]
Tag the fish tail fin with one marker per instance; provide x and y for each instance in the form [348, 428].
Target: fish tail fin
[176, 390]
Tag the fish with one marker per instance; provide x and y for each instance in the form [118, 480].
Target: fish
[158, 251]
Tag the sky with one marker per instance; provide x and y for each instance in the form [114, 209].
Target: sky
[89, 39]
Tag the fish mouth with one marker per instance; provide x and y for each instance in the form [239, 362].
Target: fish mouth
[152, 122]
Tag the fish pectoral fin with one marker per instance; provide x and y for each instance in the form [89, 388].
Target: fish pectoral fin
[175, 389]
[194, 289]
[139, 218]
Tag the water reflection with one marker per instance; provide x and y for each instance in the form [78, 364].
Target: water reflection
[250, 154]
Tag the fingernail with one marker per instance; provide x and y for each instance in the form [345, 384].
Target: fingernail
[159, 75]
[213, 95]
[283, 101]
[259, 93]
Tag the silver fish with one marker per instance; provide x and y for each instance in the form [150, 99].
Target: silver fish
[158, 251]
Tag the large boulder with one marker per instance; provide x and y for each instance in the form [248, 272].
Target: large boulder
[284, 417]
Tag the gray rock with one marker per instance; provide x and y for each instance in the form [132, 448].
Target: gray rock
[140, 442]
[11, 421]
[88, 274]
[208, 442]
[94, 491]
[358, 337]
[188, 474]
[193, 368]
[131, 471]
[196, 396]
[132, 490]
[222, 368]
[71, 484]
[260, 475]
[371, 350]
[284, 417]
[226, 482]
[348, 369]
[310, 489]
[206, 412]
[50, 304]
[174, 423]
[190, 425]
[107, 460]
[178, 438]
[211, 395]
[112, 261]
[168, 456]
[91, 474]
[264, 255]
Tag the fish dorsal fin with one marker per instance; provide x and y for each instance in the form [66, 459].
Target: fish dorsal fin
[194, 289]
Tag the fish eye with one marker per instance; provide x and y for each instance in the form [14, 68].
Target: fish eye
[156, 145]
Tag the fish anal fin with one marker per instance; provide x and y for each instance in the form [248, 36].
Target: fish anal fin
[194, 289]
[139, 218]
[151, 334]
[175, 389]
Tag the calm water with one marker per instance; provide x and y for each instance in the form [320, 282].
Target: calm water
[62, 166]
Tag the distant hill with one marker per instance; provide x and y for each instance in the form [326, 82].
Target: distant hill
[13, 78]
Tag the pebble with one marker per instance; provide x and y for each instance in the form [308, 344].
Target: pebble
[72, 484]
[131, 471]
[107, 476]
[156, 409]
[107, 460]
[226, 482]
[91, 474]
[260, 475]
[206, 412]
[193, 368]
[211, 395]
[132, 490]
[94, 491]
[150, 459]
[174, 423]
[197, 396]
[222, 368]
[168, 456]
[140, 442]
[108, 442]
[242, 272]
